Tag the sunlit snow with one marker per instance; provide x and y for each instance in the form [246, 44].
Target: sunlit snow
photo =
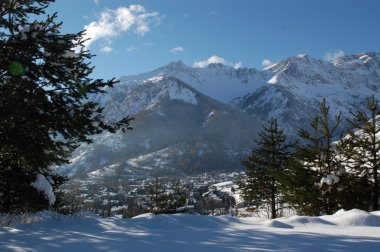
[353, 230]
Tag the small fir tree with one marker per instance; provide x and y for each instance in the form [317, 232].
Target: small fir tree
[166, 201]
[300, 186]
[313, 173]
[263, 168]
[361, 150]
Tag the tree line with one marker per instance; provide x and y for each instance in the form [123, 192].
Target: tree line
[319, 173]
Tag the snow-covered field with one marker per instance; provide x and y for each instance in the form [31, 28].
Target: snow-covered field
[353, 230]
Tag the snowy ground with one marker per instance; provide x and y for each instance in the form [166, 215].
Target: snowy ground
[345, 231]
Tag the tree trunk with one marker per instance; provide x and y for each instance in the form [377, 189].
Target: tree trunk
[273, 203]
[375, 200]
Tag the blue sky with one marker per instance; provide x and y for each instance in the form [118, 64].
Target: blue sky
[131, 37]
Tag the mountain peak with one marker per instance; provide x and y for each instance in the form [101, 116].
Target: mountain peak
[176, 64]
[217, 65]
[304, 58]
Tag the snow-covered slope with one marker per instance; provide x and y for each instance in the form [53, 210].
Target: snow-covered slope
[353, 230]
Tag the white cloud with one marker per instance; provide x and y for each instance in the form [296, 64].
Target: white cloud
[333, 55]
[131, 49]
[216, 60]
[267, 62]
[112, 23]
[106, 49]
[177, 49]
[148, 44]
[238, 65]
[212, 60]
[96, 2]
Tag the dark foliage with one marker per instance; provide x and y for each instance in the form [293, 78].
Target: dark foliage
[361, 149]
[312, 161]
[45, 112]
[264, 166]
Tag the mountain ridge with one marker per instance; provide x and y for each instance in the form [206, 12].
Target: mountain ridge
[191, 120]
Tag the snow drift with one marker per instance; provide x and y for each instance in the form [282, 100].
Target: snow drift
[353, 230]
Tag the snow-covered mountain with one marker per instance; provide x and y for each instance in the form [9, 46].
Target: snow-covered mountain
[177, 130]
[297, 84]
[197, 119]
[218, 81]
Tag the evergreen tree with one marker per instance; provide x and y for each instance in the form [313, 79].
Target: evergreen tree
[361, 150]
[158, 196]
[263, 166]
[45, 112]
[300, 186]
[162, 200]
[311, 177]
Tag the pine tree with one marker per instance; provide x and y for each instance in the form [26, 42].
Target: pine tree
[45, 112]
[300, 186]
[310, 182]
[361, 150]
[262, 168]
[157, 196]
